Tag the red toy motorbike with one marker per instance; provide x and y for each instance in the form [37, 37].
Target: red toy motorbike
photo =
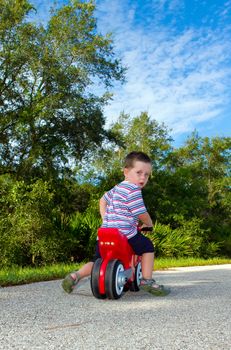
[119, 268]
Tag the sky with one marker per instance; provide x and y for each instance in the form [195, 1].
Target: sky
[178, 59]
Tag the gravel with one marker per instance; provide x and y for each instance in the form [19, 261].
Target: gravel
[196, 315]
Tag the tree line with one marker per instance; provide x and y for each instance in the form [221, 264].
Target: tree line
[57, 158]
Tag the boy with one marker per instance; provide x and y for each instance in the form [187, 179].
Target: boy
[122, 207]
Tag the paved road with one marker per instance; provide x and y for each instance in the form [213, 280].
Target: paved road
[196, 315]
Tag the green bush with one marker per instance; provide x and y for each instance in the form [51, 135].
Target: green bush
[189, 239]
[26, 222]
[82, 234]
[35, 229]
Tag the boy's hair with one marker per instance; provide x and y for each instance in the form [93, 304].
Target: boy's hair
[135, 156]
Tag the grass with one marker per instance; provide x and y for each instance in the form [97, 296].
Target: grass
[18, 275]
[21, 275]
[165, 263]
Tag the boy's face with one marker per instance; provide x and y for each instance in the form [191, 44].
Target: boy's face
[139, 173]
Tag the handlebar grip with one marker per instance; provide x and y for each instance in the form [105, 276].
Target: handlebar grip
[145, 229]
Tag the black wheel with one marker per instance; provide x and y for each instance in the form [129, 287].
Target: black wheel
[114, 279]
[95, 280]
[134, 286]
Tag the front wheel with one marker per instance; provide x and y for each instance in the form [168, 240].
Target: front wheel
[114, 279]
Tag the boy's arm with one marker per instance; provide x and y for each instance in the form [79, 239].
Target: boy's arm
[102, 207]
[146, 219]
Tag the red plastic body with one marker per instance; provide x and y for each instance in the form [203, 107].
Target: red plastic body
[114, 245]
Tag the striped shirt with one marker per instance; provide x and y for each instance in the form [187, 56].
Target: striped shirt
[124, 205]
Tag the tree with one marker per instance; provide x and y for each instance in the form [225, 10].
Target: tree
[130, 134]
[49, 114]
[196, 183]
[207, 161]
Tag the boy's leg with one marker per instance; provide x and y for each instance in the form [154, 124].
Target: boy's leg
[85, 270]
[147, 263]
[143, 246]
[71, 280]
[148, 283]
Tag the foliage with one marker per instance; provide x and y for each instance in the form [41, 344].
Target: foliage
[139, 133]
[196, 182]
[190, 239]
[83, 230]
[70, 196]
[26, 228]
[56, 158]
[49, 114]
[34, 229]
[46, 222]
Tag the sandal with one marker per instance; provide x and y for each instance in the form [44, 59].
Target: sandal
[70, 281]
[150, 286]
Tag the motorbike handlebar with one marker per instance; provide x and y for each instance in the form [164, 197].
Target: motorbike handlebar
[145, 229]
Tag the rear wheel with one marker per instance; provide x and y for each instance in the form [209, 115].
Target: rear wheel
[95, 279]
[114, 279]
[134, 286]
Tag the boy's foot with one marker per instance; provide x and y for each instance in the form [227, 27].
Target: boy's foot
[150, 285]
[70, 281]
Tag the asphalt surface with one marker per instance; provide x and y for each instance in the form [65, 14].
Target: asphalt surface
[196, 315]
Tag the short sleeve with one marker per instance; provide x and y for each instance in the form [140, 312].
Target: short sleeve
[135, 202]
[107, 196]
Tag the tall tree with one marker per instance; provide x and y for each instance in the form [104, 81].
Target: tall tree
[210, 159]
[49, 114]
[140, 133]
[132, 134]
[196, 183]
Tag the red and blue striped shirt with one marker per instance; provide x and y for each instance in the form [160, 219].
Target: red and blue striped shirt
[124, 205]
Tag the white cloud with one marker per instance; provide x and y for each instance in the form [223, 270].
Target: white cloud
[179, 77]
[179, 74]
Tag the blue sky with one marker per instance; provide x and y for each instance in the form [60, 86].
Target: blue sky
[178, 54]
